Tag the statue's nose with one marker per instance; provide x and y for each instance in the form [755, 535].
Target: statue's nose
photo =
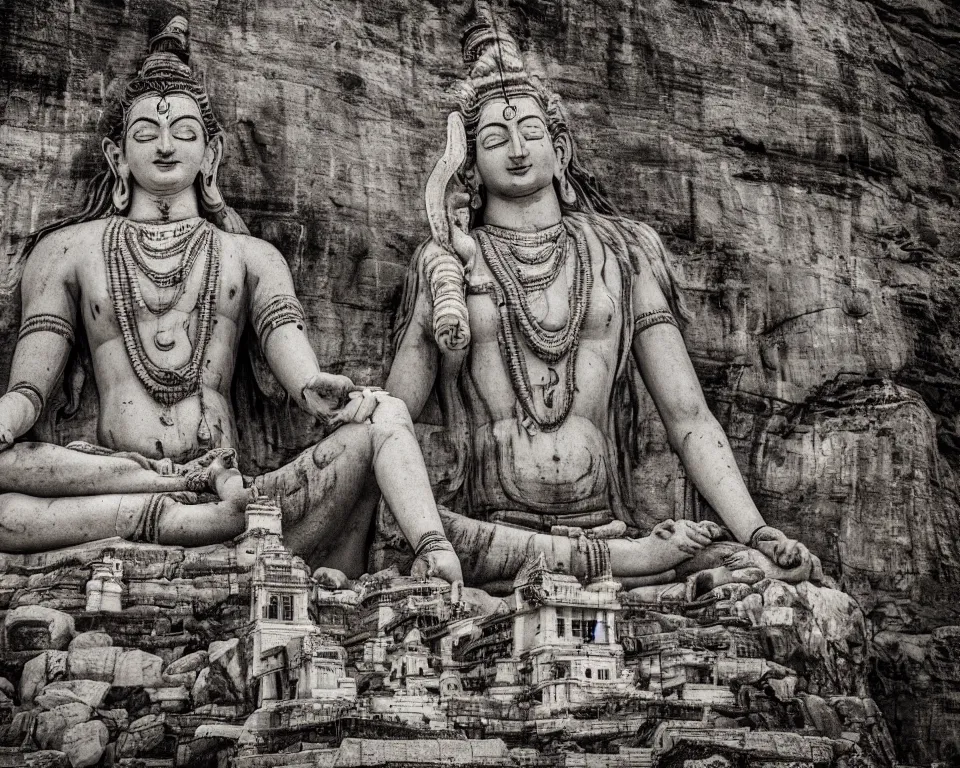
[518, 146]
[165, 148]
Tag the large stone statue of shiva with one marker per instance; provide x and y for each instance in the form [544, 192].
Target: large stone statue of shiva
[533, 318]
[162, 278]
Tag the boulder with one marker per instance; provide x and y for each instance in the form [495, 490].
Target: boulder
[184, 670]
[200, 692]
[90, 640]
[142, 735]
[192, 662]
[93, 663]
[47, 667]
[52, 725]
[138, 668]
[822, 716]
[37, 627]
[90, 692]
[226, 661]
[84, 743]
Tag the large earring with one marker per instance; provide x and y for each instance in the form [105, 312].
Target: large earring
[476, 200]
[121, 190]
[567, 193]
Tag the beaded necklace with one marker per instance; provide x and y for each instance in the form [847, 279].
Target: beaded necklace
[124, 260]
[511, 288]
[136, 249]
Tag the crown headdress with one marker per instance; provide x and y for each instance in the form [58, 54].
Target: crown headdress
[497, 69]
[166, 71]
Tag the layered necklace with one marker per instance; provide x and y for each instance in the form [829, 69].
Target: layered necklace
[128, 249]
[526, 263]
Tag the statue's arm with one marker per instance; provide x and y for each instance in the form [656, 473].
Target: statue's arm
[279, 322]
[50, 292]
[693, 431]
[416, 362]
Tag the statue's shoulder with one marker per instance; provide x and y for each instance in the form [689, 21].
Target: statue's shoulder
[643, 247]
[251, 249]
[641, 252]
[68, 247]
[72, 238]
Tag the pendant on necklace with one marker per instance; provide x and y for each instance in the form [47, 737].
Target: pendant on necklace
[165, 418]
[164, 341]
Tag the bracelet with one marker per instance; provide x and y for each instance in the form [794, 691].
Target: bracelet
[32, 393]
[432, 541]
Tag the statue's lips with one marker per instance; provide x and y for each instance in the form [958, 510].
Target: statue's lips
[166, 165]
[520, 169]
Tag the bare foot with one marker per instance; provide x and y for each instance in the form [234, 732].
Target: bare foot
[227, 481]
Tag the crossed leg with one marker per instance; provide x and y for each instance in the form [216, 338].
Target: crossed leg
[494, 552]
[144, 505]
[329, 493]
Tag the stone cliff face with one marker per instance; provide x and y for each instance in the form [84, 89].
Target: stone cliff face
[799, 158]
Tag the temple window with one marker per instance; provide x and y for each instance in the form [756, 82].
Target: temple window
[561, 627]
[272, 609]
[288, 607]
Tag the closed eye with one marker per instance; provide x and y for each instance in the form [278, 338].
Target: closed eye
[493, 140]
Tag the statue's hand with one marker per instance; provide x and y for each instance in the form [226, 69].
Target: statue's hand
[687, 536]
[11, 412]
[361, 404]
[785, 552]
[458, 214]
[441, 563]
[324, 394]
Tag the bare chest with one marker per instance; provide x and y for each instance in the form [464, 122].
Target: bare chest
[164, 310]
[554, 307]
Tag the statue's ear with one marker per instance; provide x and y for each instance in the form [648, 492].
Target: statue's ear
[563, 149]
[210, 195]
[122, 189]
[115, 157]
[212, 156]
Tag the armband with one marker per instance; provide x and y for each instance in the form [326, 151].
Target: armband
[52, 323]
[32, 393]
[280, 310]
[654, 317]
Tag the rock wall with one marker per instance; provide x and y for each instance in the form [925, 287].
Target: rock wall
[799, 158]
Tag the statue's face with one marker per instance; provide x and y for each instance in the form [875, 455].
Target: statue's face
[515, 157]
[164, 143]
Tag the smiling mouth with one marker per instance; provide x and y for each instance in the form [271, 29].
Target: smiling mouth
[166, 163]
[519, 170]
